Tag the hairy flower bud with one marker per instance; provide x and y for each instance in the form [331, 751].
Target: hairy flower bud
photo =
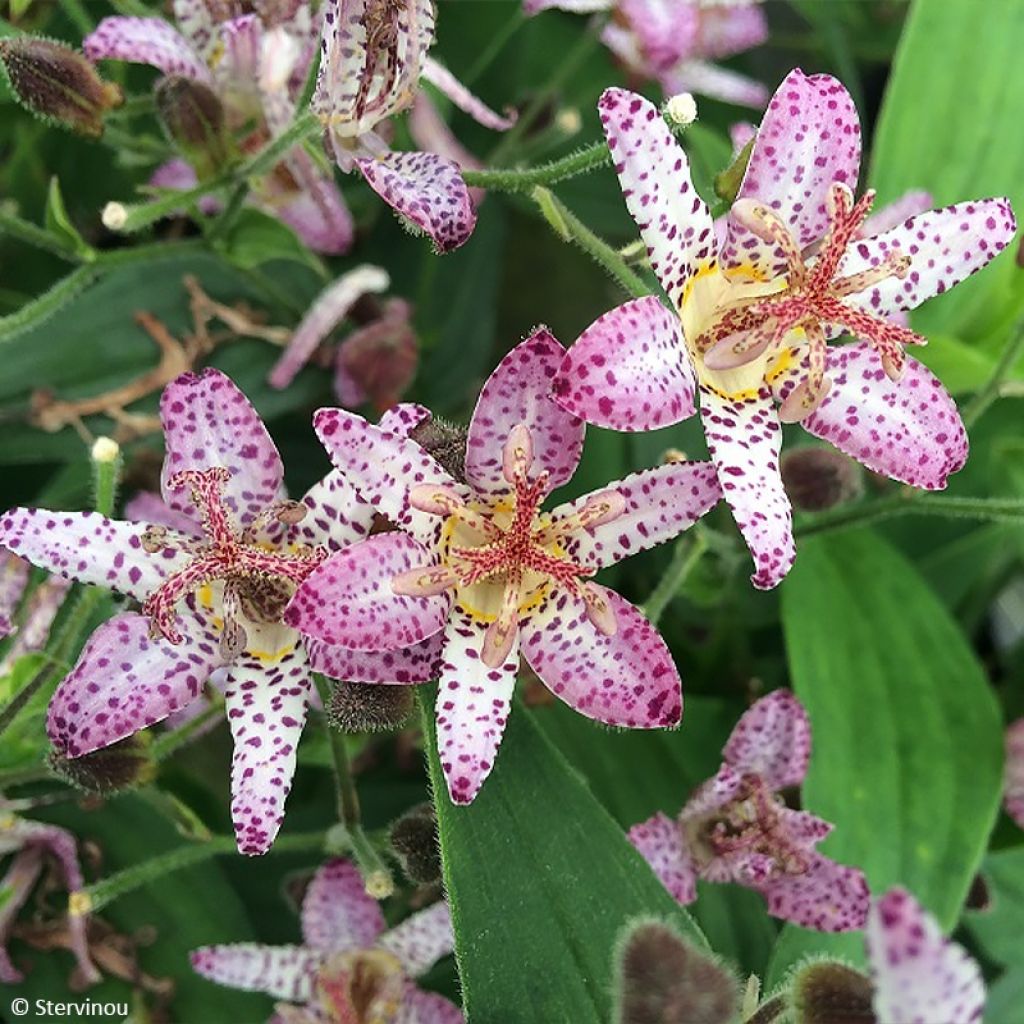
[828, 992]
[415, 842]
[193, 117]
[123, 765]
[57, 83]
[663, 979]
[819, 478]
[445, 442]
[369, 707]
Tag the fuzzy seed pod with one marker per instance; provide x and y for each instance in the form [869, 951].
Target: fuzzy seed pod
[446, 442]
[414, 840]
[123, 765]
[820, 478]
[193, 117]
[827, 992]
[369, 707]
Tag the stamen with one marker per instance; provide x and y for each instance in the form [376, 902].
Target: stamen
[599, 611]
[602, 508]
[517, 455]
[769, 227]
[501, 633]
[426, 581]
[810, 392]
[435, 499]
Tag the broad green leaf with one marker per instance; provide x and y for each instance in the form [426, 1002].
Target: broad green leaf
[957, 135]
[907, 734]
[256, 238]
[541, 881]
[58, 223]
[1005, 998]
[24, 743]
[997, 929]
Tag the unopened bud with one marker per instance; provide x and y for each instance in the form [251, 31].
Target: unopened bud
[114, 216]
[727, 182]
[377, 363]
[820, 478]
[569, 121]
[193, 117]
[663, 979]
[828, 992]
[369, 707]
[682, 108]
[123, 765]
[415, 842]
[105, 449]
[445, 442]
[57, 83]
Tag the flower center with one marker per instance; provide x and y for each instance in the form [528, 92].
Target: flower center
[366, 987]
[512, 550]
[812, 298]
[259, 580]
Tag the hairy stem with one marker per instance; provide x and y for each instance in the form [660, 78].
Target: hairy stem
[688, 552]
[993, 387]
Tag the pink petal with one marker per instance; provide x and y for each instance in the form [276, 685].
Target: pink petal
[722, 788]
[919, 975]
[427, 190]
[417, 664]
[808, 139]
[238, 65]
[575, 6]
[267, 691]
[665, 29]
[473, 703]
[945, 247]
[178, 175]
[431, 134]
[660, 842]
[402, 418]
[147, 507]
[660, 504]
[330, 308]
[336, 516]
[1014, 792]
[349, 601]
[909, 430]
[208, 422]
[719, 83]
[772, 739]
[337, 914]
[383, 467]
[740, 134]
[629, 370]
[730, 29]
[195, 22]
[124, 681]
[441, 78]
[744, 438]
[317, 214]
[14, 573]
[16, 885]
[422, 939]
[37, 616]
[88, 548]
[284, 972]
[893, 214]
[518, 392]
[626, 679]
[827, 897]
[655, 178]
[146, 41]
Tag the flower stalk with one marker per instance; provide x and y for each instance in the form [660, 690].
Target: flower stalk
[688, 552]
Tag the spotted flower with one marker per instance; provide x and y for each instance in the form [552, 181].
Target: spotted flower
[213, 575]
[1013, 789]
[375, 57]
[33, 844]
[476, 561]
[256, 64]
[348, 967]
[918, 974]
[676, 42]
[735, 828]
[752, 319]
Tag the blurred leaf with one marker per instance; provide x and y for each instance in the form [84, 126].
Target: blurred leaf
[58, 223]
[24, 743]
[541, 881]
[256, 238]
[1005, 998]
[997, 929]
[907, 734]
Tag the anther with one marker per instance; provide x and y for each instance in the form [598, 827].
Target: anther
[517, 454]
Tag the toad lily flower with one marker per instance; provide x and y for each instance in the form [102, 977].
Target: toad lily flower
[1013, 790]
[212, 586]
[374, 59]
[256, 66]
[752, 321]
[348, 967]
[735, 829]
[477, 561]
[676, 41]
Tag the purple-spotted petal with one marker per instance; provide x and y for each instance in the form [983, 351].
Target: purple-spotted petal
[626, 679]
[660, 504]
[124, 681]
[945, 246]
[420, 1007]
[422, 939]
[665, 30]
[1013, 796]
[416, 664]
[655, 177]
[909, 430]
[349, 600]
[660, 842]
[402, 418]
[827, 897]
[426, 190]
[241, 40]
[146, 41]
[336, 516]
[893, 214]
[744, 437]
[383, 466]
[731, 28]
[16, 885]
[772, 739]
[195, 22]
[718, 791]
[284, 972]
[89, 548]
[575, 6]
[918, 974]
[317, 213]
[519, 392]
[473, 703]
[36, 618]
[717, 82]
[337, 914]
[147, 507]
[441, 78]
[629, 370]
[208, 422]
[809, 138]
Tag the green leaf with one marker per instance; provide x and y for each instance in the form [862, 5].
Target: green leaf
[59, 224]
[957, 135]
[541, 881]
[997, 929]
[256, 238]
[24, 743]
[907, 734]
[1005, 998]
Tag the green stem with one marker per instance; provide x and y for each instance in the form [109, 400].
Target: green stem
[580, 162]
[688, 553]
[96, 896]
[572, 229]
[45, 305]
[992, 389]
[26, 231]
[222, 225]
[78, 16]
[14, 706]
[170, 742]
[490, 52]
